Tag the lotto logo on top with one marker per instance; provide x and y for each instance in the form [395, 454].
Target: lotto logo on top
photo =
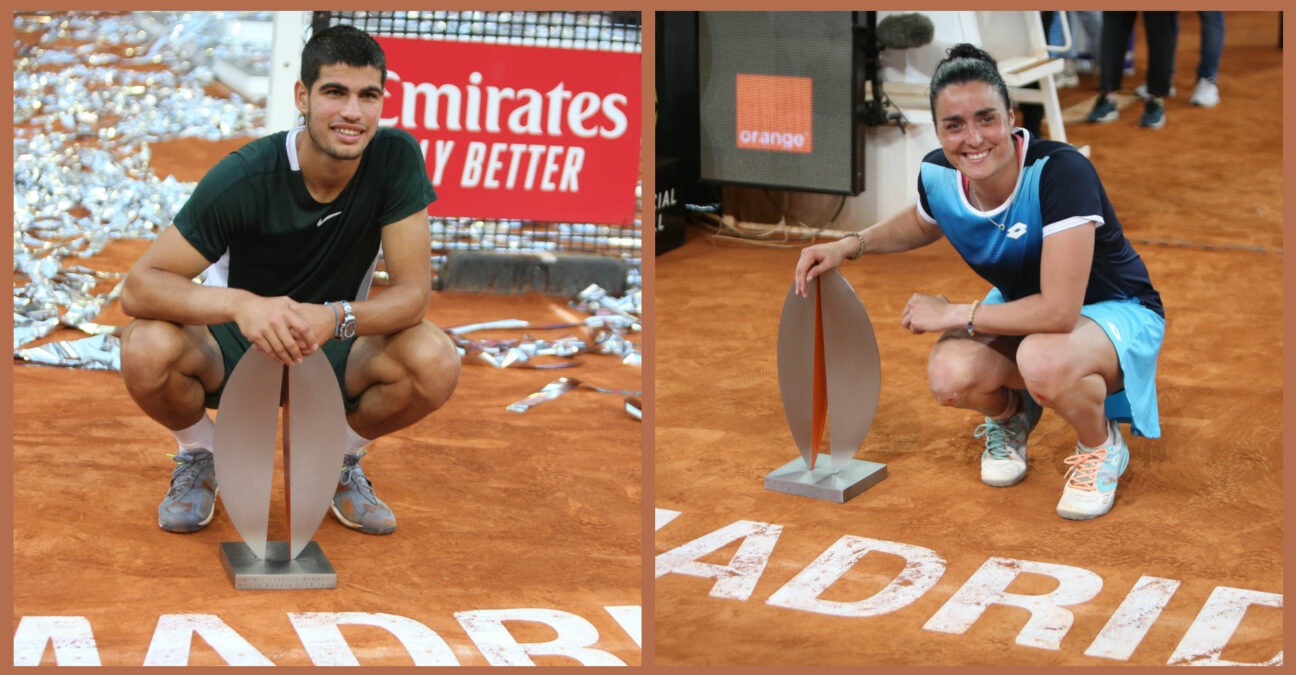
[775, 112]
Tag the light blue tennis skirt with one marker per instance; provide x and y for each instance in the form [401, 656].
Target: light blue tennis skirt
[1136, 332]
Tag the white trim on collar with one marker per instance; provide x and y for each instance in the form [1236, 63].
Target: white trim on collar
[291, 148]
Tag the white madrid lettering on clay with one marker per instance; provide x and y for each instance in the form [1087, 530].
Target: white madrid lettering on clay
[1050, 615]
[574, 638]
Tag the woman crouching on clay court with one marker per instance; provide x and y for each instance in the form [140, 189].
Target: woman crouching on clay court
[1072, 322]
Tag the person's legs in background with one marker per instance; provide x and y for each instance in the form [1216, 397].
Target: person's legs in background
[1162, 31]
[1206, 92]
[1116, 28]
[1086, 34]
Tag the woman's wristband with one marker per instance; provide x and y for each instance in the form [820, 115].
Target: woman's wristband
[859, 251]
[971, 314]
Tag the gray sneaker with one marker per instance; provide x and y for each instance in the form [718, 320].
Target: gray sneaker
[190, 503]
[1004, 461]
[355, 503]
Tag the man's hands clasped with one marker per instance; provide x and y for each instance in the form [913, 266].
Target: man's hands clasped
[283, 328]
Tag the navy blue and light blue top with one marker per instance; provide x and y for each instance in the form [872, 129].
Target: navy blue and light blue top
[1057, 189]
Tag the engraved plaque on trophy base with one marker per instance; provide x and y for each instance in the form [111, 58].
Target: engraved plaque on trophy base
[277, 571]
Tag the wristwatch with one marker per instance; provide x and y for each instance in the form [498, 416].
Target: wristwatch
[347, 329]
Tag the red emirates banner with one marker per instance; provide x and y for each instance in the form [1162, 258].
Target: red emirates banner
[528, 133]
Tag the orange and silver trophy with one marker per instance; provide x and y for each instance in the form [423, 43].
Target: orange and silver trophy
[829, 377]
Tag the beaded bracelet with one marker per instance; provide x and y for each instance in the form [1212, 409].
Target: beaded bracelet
[972, 313]
[860, 251]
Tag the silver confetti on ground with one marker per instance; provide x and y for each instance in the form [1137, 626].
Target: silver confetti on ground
[612, 323]
[563, 385]
[91, 91]
[101, 352]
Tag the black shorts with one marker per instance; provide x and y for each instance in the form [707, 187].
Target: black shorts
[234, 345]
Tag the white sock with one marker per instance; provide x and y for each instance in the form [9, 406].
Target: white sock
[354, 442]
[1111, 438]
[197, 436]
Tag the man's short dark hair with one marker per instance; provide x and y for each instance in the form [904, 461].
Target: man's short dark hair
[340, 44]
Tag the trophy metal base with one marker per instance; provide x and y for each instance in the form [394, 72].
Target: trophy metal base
[276, 571]
[794, 478]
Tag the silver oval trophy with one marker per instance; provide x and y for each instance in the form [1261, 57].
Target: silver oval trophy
[829, 375]
[313, 450]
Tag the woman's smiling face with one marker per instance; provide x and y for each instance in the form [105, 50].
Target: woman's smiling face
[975, 129]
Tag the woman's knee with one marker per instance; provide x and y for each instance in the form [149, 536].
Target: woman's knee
[951, 375]
[1045, 365]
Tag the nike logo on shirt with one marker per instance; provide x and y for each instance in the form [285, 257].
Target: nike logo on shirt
[331, 215]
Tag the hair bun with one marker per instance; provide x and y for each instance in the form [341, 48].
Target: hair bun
[969, 51]
[967, 63]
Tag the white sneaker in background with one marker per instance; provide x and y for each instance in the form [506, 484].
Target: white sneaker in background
[1205, 94]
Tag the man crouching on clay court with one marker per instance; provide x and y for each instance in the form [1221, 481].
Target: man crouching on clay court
[291, 225]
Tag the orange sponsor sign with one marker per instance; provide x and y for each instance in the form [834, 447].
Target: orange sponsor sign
[775, 112]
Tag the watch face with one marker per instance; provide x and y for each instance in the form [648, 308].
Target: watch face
[348, 321]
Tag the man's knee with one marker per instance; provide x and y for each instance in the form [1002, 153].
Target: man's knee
[149, 347]
[153, 351]
[432, 362]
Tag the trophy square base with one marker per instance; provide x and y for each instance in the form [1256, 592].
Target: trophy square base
[276, 571]
[795, 478]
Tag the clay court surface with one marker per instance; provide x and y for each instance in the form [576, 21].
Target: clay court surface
[532, 521]
[748, 576]
[496, 510]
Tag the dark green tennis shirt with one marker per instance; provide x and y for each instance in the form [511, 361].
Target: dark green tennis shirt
[255, 205]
